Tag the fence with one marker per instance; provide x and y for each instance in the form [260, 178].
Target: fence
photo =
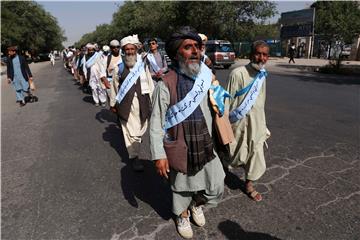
[242, 49]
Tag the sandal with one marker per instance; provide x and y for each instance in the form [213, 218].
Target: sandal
[252, 193]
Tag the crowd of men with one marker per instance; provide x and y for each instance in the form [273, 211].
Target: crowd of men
[179, 116]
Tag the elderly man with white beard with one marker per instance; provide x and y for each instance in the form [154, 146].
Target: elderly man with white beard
[133, 100]
[181, 132]
[247, 117]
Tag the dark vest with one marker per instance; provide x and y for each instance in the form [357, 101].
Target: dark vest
[177, 152]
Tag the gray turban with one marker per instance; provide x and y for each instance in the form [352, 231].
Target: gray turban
[174, 42]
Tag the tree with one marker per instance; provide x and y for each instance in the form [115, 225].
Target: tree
[337, 21]
[29, 26]
[218, 19]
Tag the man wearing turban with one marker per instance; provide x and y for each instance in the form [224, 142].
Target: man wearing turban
[133, 100]
[193, 168]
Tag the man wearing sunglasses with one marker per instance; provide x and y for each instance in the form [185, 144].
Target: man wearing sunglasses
[157, 63]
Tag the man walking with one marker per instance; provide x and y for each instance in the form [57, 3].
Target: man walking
[185, 153]
[95, 72]
[18, 74]
[52, 58]
[292, 50]
[158, 64]
[112, 62]
[134, 99]
[247, 116]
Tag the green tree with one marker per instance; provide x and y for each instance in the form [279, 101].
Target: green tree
[29, 26]
[230, 20]
[337, 21]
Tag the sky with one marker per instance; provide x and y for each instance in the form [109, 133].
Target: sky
[80, 17]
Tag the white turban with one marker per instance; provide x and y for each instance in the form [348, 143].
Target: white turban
[106, 48]
[203, 37]
[130, 40]
[114, 43]
[90, 45]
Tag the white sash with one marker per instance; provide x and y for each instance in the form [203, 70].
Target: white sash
[82, 60]
[153, 63]
[181, 110]
[117, 64]
[91, 61]
[130, 79]
[247, 103]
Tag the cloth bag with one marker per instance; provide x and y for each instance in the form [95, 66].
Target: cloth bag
[223, 128]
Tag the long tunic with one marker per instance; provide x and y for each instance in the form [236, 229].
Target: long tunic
[135, 134]
[19, 82]
[211, 176]
[97, 71]
[250, 132]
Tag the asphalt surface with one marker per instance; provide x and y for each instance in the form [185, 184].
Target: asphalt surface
[65, 173]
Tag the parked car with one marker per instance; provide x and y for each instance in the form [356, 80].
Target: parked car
[345, 53]
[44, 56]
[220, 52]
[162, 51]
[4, 60]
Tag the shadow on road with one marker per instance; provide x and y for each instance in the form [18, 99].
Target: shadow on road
[88, 99]
[298, 66]
[234, 182]
[324, 78]
[146, 186]
[234, 231]
[106, 115]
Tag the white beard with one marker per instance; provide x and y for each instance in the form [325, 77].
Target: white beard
[130, 60]
[191, 70]
[258, 66]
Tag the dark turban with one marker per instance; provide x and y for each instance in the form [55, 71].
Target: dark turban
[12, 48]
[174, 42]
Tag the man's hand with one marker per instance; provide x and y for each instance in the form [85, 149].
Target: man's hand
[162, 167]
[106, 82]
[159, 74]
[9, 80]
[113, 109]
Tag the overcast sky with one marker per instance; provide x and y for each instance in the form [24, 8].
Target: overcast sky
[80, 17]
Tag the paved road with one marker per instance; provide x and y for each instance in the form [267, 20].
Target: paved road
[65, 174]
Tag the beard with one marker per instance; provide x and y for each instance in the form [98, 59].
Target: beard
[189, 69]
[130, 60]
[258, 66]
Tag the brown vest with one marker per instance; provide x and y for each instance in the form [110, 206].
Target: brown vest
[176, 151]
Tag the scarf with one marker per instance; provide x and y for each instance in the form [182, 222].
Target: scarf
[196, 133]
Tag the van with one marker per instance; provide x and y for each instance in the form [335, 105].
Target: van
[220, 52]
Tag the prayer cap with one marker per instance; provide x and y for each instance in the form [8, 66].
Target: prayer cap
[90, 45]
[203, 37]
[106, 48]
[175, 40]
[114, 43]
[130, 40]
